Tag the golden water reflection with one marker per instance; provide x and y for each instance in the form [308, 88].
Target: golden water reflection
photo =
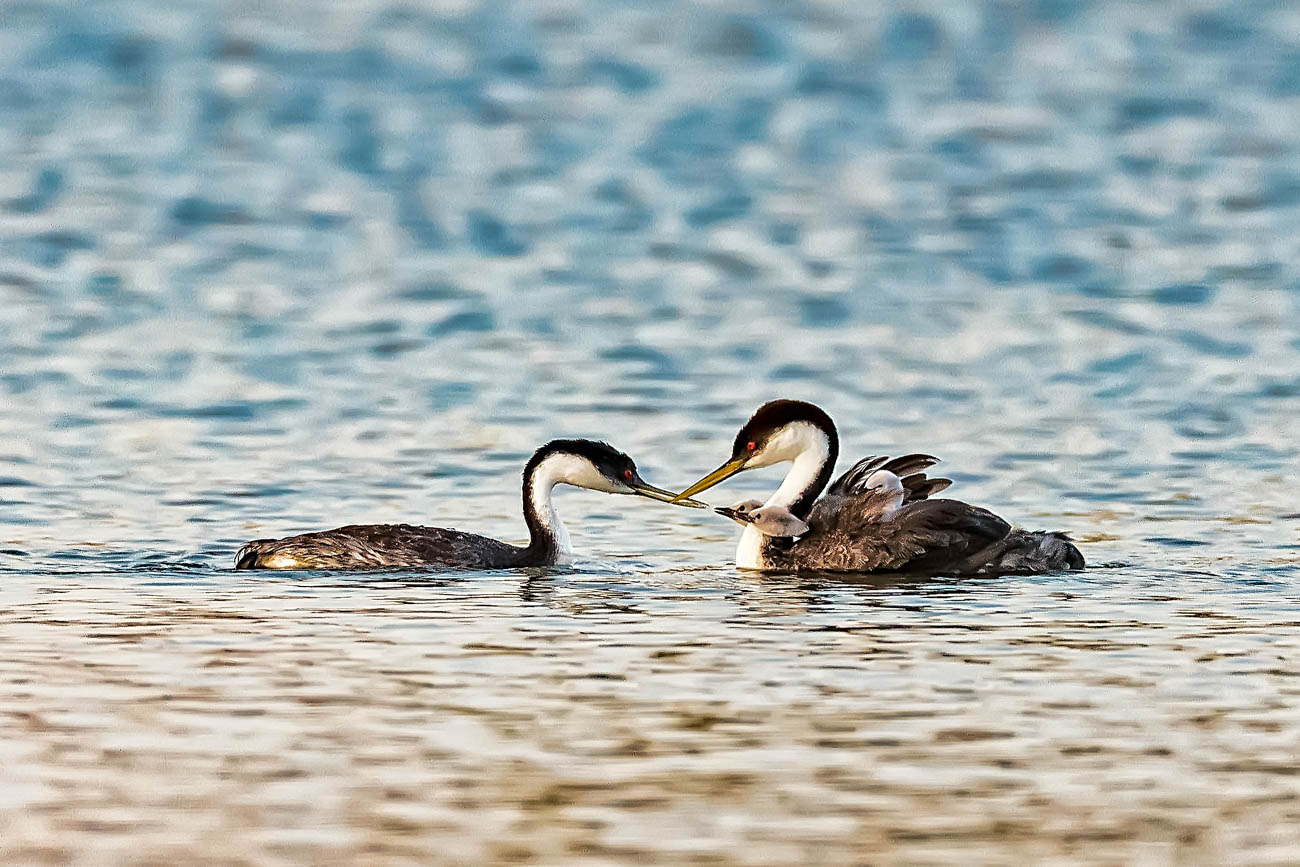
[582, 718]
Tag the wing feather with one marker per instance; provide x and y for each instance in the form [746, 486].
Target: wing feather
[854, 533]
[855, 475]
[910, 469]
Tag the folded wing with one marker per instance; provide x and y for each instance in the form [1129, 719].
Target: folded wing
[923, 536]
[910, 469]
[377, 546]
[857, 528]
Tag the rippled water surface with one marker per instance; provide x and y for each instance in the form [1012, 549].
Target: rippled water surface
[265, 270]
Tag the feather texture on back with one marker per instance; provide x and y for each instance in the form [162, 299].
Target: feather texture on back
[858, 528]
[380, 546]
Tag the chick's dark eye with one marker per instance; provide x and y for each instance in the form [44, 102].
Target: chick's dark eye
[751, 445]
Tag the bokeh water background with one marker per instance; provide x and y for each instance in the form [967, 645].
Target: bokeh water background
[267, 268]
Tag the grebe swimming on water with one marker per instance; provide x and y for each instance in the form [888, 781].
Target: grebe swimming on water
[582, 463]
[869, 520]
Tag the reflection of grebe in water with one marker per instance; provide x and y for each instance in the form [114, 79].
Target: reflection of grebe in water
[877, 517]
[582, 463]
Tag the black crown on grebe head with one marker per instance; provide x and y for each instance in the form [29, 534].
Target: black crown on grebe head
[609, 461]
[771, 417]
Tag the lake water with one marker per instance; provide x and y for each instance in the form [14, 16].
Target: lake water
[271, 268]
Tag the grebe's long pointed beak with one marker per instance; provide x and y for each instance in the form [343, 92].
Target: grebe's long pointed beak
[642, 489]
[722, 473]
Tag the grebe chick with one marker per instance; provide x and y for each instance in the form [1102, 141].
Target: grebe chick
[776, 521]
[581, 463]
[892, 491]
[878, 516]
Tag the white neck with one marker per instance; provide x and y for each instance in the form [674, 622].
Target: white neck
[810, 450]
[749, 551]
[558, 469]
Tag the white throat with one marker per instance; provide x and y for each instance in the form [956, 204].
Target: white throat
[808, 449]
[749, 551]
[562, 469]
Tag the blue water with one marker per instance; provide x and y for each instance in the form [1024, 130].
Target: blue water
[267, 268]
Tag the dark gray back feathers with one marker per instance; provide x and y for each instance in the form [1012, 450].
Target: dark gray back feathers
[855, 530]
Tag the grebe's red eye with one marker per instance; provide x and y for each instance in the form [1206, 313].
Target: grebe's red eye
[627, 474]
[751, 445]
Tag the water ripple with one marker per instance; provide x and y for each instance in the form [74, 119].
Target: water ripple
[269, 270]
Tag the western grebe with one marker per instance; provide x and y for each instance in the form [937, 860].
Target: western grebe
[582, 463]
[877, 517]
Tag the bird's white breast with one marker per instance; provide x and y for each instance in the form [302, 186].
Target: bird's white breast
[749, 552]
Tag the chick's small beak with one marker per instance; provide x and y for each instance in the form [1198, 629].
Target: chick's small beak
[726, 471]
[642, 489]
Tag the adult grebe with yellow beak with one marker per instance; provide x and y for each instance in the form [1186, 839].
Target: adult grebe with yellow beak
[877, 517]
[581, 463]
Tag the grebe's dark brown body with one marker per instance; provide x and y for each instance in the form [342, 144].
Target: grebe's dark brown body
[387, 546]
[859, 527]
[856, 529]
[582, 463]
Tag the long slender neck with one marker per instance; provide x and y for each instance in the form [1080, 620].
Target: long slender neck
[548, 538]
[810, 473]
